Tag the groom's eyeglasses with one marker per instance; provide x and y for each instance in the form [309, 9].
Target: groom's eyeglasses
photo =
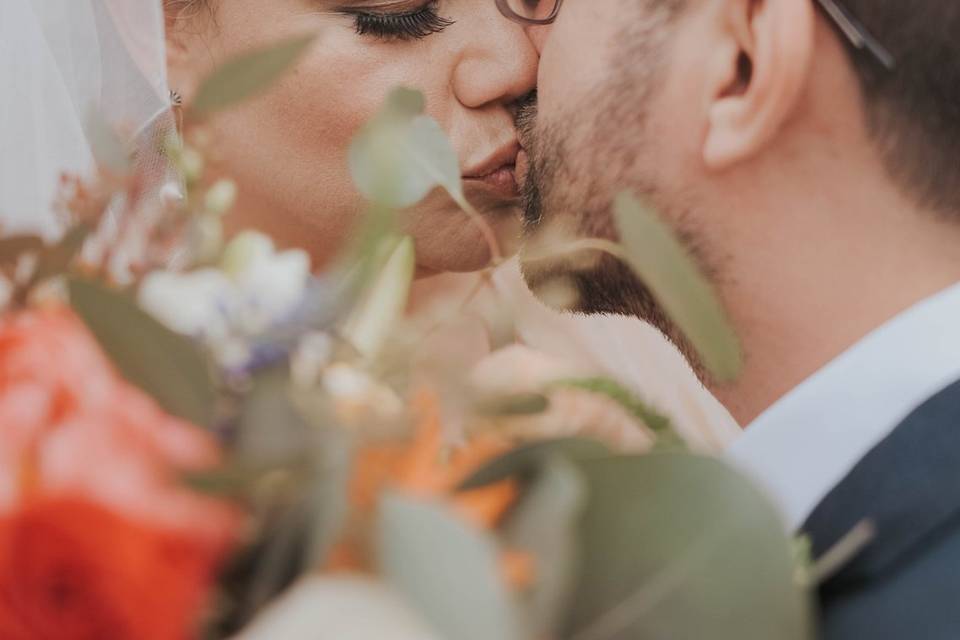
[530, 11]
[545, 12]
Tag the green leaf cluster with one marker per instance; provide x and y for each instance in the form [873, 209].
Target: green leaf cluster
[166, 365]
[402, 155]
[662, 545]
[658, 258]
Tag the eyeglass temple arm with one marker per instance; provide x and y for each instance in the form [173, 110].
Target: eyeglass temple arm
[857, 34]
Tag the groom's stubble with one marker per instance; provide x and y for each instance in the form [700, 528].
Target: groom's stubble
[586, 152]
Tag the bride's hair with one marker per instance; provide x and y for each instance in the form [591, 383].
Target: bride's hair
[180, 9]
[180, 5]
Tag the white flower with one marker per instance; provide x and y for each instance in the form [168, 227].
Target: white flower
[257, 288]
[191, 164]
[221, 197]
[358, 396]
[339, 609]
[198, 304]
[311, 356]
[271, 283]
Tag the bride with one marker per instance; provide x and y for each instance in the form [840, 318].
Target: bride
[287, 148]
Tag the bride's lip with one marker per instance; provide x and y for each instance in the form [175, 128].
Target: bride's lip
[497, 171]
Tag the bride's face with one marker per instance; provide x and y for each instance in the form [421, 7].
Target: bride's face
[287, 149]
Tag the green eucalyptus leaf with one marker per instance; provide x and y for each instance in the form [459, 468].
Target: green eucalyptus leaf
[164, 364]
[653, 419]
[527, 459]
[660, 260]
[679, 546]
[382, 304]
[271, 429]
[448, 570]
[518, 404]
[544, 524]
[248, 74]
[402, 155]
[404, 104]
[328, 494]
[431, 150]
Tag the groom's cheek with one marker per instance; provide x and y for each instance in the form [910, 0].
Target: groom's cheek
[574, 50]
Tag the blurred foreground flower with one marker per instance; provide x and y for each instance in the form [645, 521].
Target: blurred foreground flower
[569, 412]
[338, 608]
[98, 537]
[254, 288]
[428, 469]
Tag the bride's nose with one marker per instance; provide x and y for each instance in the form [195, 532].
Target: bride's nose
[497, 62]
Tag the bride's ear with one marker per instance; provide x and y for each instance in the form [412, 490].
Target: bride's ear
[180, 45]
[757, 76]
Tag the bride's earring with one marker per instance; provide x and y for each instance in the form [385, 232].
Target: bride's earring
[176, 103]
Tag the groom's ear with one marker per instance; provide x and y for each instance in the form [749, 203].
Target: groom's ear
[756, 75]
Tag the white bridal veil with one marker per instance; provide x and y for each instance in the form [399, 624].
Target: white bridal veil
[61, 61]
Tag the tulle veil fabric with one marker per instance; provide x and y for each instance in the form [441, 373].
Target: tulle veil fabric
[64, 64]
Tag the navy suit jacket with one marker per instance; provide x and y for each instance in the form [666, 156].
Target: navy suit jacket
[905, 584]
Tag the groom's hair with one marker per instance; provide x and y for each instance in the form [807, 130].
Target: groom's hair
[913, 111]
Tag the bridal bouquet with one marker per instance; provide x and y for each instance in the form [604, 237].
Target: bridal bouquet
[209, 438]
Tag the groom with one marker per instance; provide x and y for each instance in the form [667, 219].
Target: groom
[808, 153]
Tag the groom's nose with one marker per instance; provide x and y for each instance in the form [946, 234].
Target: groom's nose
[538, 35]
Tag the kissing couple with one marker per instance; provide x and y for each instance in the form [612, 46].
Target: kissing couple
[802, 150]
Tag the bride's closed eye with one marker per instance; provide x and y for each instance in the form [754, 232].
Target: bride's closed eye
[403, 23]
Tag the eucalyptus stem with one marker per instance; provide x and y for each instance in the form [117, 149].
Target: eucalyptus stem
[489, 236]
[576, 246]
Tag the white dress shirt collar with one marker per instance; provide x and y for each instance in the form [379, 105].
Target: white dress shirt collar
[808, 441]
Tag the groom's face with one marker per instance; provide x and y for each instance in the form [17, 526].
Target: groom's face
[608, 119]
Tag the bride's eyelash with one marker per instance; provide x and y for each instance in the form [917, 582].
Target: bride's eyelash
[406, 25]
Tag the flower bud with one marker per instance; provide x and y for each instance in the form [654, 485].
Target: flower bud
[191, 164]
[221, 197]
[246, 248]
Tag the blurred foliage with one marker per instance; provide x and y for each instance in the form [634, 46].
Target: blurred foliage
[247, 75]
[653, 251]
[166, 365]
[622, 546]
[402, 155]
[668, 545]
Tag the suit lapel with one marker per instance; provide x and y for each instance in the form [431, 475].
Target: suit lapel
[908, 486]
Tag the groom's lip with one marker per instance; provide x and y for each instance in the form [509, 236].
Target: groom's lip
[522, 168]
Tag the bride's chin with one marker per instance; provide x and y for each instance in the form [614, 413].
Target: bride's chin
[447, 240]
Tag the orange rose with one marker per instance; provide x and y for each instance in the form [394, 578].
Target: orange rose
[92, 509]
[73, 570]
[426, 468]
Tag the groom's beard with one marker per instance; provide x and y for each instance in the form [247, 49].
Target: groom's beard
[578, 163]
[581, 207]
[555, 214]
